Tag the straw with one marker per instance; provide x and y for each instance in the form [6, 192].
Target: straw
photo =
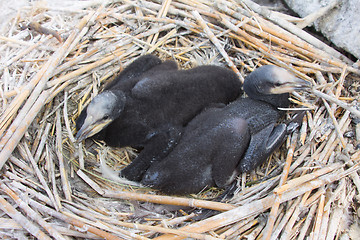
[53, 187]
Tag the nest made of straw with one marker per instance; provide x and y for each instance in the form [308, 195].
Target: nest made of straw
[56, 57]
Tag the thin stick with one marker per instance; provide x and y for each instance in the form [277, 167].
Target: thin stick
[39, 174]
[319, 216]
[273, 213]
[72, 221]
[309, 218]
[285, 219]
[36, 85]
[256, 206]
[64, 178]
[66, 119]
[157, 198]
[336, 125]
[26, 51]
[42, 143]
[162, 13]
[21, 220]
[165, 230]
[105, 226]
[91, 183]
[293, 29]
[315, 197]
[325, 220]
[21, 164]
[217, 44]
[51, 173]
[276, 34]
[31, 213]
[329, 98]
[21, 187]
[291, 184]
[341, 82]
[162, 41]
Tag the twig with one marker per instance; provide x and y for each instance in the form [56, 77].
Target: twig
[21, 164]
[162, 13]
[26, 51]
[162, 41]
[315, 197]
[257, 206]
[66, 119]
[239, 228]
[158, 199]
[166, 230]
[17, 186]
[309, 19]
[293, 29]
[325, 220]
[42, 143]
[63, 173]
[291, 184]
[284, 176]
[91, 183]
[21, 220]
[336, 125]
[309, 218]
[31, 213]
[319, 216]
[75, 222]
[217, 44]
[289, 212]
[39, 174]
[329, 98]
[36, 85]
[51, 173]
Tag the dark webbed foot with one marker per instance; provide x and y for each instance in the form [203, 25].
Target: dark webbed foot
[156, 149]
[262, 144]
[266, 141]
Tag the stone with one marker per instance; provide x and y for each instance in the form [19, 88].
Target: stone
[340, 24]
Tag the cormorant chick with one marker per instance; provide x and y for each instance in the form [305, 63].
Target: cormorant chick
[220, 143]
[148, 104]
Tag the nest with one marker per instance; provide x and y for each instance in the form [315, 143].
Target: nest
[56, 58]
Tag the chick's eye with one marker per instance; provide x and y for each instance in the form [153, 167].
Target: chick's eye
[277, 84]
[106, 117]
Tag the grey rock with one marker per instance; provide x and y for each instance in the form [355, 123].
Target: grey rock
[340, 25]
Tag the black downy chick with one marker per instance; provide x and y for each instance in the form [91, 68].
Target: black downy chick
[220, 143]
[148, 105]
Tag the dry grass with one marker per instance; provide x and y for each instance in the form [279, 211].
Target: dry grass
[62, 55]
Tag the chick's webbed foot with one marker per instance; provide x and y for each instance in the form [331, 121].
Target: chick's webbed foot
[266, 141]
[155, 149]
[262, 144]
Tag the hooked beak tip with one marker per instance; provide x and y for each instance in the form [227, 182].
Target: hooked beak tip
[80, 136]
[302, 84]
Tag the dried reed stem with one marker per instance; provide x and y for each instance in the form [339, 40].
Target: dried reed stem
[63, 173]
[39, 174]
[31, 213]
[217, 44]
[21, 220]
[75, 222]
[293, 29]
[166, 230]
[284, 175]
[257, 206]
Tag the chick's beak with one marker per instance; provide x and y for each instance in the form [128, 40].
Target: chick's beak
[293, 84]
[300, 84]
[89, 129]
